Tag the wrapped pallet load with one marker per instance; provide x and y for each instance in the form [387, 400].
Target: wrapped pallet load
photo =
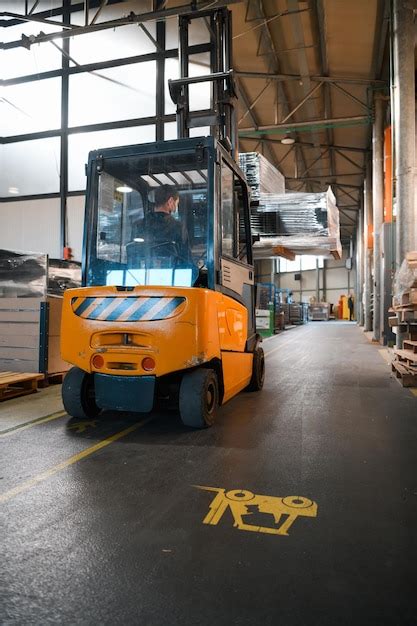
[306, 223]
[31, 289]
[262, 177]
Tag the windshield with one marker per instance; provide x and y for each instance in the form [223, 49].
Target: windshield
[150, 223]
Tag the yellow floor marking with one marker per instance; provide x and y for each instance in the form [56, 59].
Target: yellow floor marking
[35, 422]
[414, 392]
[80, 427]
[386, 355]
[242, 504]
[281, 345]
[72, 459]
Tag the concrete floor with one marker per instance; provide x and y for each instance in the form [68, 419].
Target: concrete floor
[104, 529]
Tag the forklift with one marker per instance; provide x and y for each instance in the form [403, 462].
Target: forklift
[160, 322]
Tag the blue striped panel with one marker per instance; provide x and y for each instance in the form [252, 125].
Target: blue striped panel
[84, 305]
[168, 309]
[146, 306]
[100, 308]
[124, 304]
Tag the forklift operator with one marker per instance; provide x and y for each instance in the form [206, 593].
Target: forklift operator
[166, 235]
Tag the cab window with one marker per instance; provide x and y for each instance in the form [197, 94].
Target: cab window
[233, 228]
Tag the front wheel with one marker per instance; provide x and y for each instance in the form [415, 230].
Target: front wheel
[258, 370]
[78, 394]
[199, 398]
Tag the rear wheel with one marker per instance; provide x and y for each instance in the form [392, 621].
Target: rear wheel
[199, 398]
[258, 370]
[78, 394]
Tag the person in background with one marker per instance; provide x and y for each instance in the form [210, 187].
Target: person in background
[350, 307]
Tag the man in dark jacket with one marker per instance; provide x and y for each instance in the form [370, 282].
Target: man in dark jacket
[350, 307]
[163, 235]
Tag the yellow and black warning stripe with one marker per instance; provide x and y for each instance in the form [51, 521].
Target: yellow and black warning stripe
[127, 309]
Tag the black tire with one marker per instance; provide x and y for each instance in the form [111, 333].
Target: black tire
[78, 394]
[199, 398]
[258, 370]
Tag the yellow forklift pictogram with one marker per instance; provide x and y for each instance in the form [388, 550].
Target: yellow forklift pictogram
[244, 504]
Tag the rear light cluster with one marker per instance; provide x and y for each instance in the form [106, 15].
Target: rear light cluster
[148, 363]
[98, 361]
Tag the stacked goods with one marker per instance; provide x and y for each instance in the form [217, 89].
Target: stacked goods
[404, 321]
[306, 223]
[262, 177]
[31, 288]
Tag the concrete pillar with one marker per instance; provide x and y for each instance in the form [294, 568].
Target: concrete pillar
[404, 127]
[360, 244]
[367, 242]
[378, 207]
[317, 281]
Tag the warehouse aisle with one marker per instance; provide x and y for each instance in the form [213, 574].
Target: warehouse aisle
[308, 491]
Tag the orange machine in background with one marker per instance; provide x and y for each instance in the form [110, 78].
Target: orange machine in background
[387, 175]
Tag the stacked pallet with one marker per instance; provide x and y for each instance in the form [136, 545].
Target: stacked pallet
[404, 322]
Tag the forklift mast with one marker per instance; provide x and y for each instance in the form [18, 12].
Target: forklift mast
[221, 116]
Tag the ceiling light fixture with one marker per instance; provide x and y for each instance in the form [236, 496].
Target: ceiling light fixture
[13, 190]
[124, 189]
[287, 141]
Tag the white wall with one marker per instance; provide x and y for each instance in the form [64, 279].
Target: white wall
[337, 281]
[34, 226]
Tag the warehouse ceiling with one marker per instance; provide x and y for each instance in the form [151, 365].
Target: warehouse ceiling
[307, 71]
[321, 61]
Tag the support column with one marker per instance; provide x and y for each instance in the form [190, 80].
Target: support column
[378, 206]
[368, 246]
[404, 127]
[63, 168]
[360, 265]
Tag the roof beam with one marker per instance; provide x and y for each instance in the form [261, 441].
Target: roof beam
[307, 124]
[319, 79]
[307, 144]
[132, 18]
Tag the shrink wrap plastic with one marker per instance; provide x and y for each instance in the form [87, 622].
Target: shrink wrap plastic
[405, 279]
[303, 222]
[31, 275]
[261, 176]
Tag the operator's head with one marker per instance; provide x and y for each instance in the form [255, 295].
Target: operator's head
[166, 199]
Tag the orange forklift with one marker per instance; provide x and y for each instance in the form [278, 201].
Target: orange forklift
[157, 319]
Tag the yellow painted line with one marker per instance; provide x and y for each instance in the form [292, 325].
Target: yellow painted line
[281, 345]
[414, 391]
[386, 355]
[35, 422]
[72, 459]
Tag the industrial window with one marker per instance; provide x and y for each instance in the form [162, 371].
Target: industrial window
[119, 93]
[79, 145]
[30, 167]
[21, 61]
[31, 107]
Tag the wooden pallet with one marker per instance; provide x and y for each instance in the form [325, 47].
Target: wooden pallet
[14, 384]
[55, 378]
[409, 356]
[410, 345]
[406, 376]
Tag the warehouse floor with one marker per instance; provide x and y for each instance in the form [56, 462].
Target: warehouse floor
[103, 527]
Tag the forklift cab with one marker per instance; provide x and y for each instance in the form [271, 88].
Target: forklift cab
[206, 243]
